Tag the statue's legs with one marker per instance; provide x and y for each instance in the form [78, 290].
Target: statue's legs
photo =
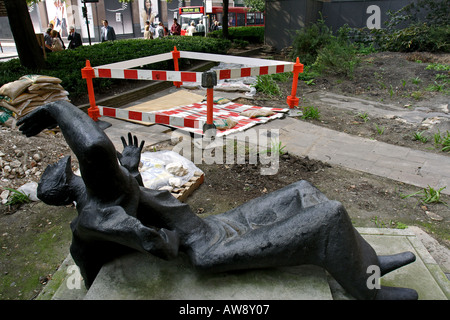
[90, 256]
[100, 235]
[321, 235]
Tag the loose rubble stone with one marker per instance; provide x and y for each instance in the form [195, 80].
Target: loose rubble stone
[37, 157]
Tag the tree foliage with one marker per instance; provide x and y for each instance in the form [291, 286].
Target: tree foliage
[419, 26]
[30, 2]
[256, 5]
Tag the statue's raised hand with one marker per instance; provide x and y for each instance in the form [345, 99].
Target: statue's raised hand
[39, 119]
[131, 154]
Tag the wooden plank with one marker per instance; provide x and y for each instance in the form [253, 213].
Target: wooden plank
[189, 187]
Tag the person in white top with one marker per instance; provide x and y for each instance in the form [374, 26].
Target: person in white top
[191, 29]
[160, 30]
[107, 32]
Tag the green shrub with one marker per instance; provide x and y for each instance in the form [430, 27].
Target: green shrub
[67, 64]
[267, 85]
[309, 40]
[322, 52]
[250, 34]
[416, 37]
[405, 32]
[336, 58]
[242, 44]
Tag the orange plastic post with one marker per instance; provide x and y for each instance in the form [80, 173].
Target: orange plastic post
[176, 55]
[292, 100]
[209, 105]
[88, 74]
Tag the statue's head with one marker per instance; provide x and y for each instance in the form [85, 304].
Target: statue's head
[54, 187]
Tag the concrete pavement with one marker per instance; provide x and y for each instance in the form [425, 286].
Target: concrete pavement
[8, 50]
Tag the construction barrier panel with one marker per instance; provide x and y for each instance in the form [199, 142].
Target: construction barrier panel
[124, 70]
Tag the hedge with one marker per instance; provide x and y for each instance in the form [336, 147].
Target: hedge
[250, 34]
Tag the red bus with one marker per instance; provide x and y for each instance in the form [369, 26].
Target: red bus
[237, 17]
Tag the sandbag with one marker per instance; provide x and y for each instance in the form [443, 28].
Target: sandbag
[45, 87]
[29, 92]
[36, 78]
[15, 88]
[22, 98]
[257, 113]
[154, 171]
[225, 124]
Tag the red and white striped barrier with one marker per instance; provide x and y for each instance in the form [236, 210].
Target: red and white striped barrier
[135, 74]
[224, 74]
[124, 70]
[194, 116]
[153, 117]
[256, 67]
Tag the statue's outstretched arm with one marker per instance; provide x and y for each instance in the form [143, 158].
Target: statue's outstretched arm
[102, 174]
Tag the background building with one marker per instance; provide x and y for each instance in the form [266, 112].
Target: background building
[284, 17]
[127, 19]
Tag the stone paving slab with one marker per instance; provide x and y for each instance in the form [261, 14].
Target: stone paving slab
[138, 277]
[424, 275]
[151, 134]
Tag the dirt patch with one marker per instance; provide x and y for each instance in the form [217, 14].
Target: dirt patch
[35, 237]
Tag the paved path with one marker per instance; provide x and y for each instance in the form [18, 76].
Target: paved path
[8, 50]
[394, 162]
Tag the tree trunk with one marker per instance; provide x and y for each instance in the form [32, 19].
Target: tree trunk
[30, 54]
[225, 19]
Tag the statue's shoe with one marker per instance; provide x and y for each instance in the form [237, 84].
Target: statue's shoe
[395, 261]
[392, 293]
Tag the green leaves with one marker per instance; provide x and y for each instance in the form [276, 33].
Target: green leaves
[310, 112]
[17, 197]
[309, 40]
[427, 195]
[267, 85]
[422, 25]
[250, 34]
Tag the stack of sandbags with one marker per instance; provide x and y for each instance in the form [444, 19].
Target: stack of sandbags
[29, 92]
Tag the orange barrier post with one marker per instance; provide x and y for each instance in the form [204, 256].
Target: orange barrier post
[209, 80]
[292, 100]
[176, 55]
[88, 74]
[209, 105]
